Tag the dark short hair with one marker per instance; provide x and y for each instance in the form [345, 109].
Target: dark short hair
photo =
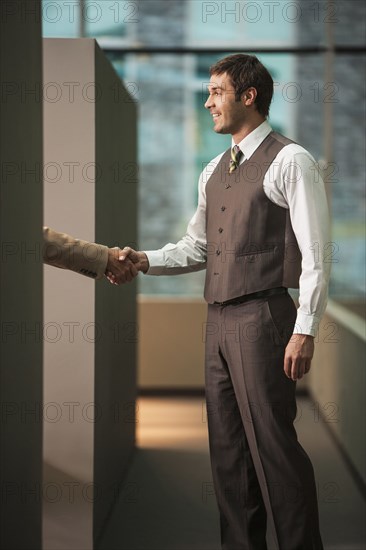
[246, 71]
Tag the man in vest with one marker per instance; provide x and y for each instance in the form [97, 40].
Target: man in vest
[260, 204]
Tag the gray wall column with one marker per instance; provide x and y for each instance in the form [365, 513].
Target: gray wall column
[21, 276]
[115, 308]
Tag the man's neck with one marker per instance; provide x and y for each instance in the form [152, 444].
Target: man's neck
[247, 129]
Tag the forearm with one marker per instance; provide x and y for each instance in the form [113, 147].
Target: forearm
[186, 256]
[312, 301]
[63, 251]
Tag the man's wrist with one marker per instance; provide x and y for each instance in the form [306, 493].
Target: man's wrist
[302, 339]
[143, 262]
[306, 324]
[112, 255]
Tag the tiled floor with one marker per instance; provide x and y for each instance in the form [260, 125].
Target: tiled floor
[167, 502]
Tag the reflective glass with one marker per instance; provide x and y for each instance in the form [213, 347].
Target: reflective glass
[348, 179]
[112, 22]
[349, 21]
[194, 23]
[242, 24]
[60, 19]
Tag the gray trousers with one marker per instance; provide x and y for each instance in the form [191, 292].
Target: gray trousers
[260, 471]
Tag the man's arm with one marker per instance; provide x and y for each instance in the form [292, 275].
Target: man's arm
[89, 259]
[186, 256]
[304, 191]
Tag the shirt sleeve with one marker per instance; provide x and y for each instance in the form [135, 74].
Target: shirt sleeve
[190, 253]
[304, 192]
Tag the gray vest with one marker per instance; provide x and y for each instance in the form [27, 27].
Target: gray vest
[251, 245]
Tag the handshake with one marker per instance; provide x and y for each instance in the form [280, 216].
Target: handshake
[124, 265]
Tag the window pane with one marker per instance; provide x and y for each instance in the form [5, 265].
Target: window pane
[60, 19]
[112, 22]
[201, 23]
[241, 24]
[348, 181]
[349, 18]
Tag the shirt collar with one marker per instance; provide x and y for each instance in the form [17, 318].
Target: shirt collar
[253, 140]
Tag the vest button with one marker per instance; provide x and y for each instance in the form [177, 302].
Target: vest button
[223, 208]
[220, 230]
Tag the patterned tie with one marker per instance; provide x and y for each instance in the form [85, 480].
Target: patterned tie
[236, 155]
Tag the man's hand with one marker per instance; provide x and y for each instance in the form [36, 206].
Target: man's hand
[138, 258]
[298, 355]
[119, 272]
[130, 263]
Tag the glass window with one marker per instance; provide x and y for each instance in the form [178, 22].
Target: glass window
[348, 17]
[239, 24]
[60, 19]
[109, 21]
[106, 20]
[347, 181]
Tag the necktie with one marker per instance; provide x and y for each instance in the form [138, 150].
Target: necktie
[236, 155]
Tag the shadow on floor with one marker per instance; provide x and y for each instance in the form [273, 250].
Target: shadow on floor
[167, 501]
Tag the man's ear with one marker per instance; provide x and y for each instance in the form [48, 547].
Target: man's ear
[249, 96]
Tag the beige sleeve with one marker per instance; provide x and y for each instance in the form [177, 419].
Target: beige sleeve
[61, 250]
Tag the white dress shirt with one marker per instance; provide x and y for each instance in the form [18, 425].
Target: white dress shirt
[292, 181]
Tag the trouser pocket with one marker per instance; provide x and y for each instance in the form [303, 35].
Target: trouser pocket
[282, 314]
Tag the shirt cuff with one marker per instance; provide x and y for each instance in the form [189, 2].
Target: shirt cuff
[306, 324]
[156, 262]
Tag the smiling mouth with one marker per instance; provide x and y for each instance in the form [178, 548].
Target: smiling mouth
[215, 115]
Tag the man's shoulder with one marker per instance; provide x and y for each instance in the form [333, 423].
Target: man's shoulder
[294, 151]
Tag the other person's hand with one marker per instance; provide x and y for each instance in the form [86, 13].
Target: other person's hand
[137, 257]
[118, 272]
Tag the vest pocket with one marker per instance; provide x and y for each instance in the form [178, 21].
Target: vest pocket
[252, 256]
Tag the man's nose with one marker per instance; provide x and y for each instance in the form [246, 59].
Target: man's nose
[209, 103]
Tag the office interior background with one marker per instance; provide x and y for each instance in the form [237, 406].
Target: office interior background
[162, 50]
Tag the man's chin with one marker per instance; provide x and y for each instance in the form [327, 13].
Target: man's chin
[220, 130]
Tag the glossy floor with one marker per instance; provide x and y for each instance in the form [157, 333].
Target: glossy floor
[167, 500]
